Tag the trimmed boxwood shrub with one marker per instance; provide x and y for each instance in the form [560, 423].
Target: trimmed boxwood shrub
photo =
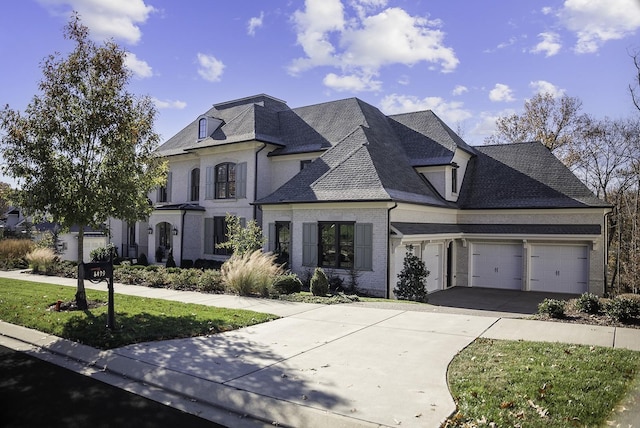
[288, 284]
[622, 309]
[589, 303]
[552, 307]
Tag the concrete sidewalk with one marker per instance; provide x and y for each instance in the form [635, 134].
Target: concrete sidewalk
[317, 366]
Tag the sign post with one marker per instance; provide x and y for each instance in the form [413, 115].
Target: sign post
[103, 271]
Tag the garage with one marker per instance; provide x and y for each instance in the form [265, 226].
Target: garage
[559, 268]
[497, 266]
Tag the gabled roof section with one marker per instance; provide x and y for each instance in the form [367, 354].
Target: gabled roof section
[246, 119]
[366, 165]
[426, 139]
[522, 175]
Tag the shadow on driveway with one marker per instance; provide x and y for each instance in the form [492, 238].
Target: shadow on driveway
[493, 299]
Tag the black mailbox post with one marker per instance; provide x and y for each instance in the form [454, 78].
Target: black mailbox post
[103, 271]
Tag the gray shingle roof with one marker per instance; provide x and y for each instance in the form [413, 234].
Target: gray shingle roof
[522, 175]
[505, 229]
[369, 156]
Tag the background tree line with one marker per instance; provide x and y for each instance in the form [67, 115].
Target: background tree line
[604, 153]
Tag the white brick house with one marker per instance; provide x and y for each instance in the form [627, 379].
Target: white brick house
[343, 186]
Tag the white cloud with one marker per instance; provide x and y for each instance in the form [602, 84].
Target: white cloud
[139, 67]
[501, 92]
[549, 45]
[255, 23]
[544, 87]
[486, 125]
[459, 90]
[363, 44]
[119, 19]
[598, 21]
[351, 82]
[169, 104]
[450, 112]
[211, 68]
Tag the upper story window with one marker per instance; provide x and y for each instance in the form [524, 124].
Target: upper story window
[202, 128]
[164, 192]
[225, 183]
[454, 180]
[194, 188]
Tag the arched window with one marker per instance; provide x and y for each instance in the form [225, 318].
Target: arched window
[202, 128]
[226, 181]
[194, 191]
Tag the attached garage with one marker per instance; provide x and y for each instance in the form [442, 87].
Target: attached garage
[559, 268]
[497, 266]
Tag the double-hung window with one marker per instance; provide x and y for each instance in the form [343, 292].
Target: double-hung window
[194, 190]
[225, 181]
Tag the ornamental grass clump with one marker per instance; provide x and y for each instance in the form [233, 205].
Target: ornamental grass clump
[13, 252]
[251, 273]
[41, 260]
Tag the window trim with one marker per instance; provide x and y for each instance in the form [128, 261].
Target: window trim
[228, 194]
[337, 244]
[202, 128]
[194, 185]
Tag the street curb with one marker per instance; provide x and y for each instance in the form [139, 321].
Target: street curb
[243, 404]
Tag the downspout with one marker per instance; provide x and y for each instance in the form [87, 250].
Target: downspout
[387, 293]
[184, 213]
[255, 182]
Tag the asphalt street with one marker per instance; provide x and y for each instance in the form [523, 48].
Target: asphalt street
[36, 393]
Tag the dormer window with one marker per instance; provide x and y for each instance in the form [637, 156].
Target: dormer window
[202, 128]
[454, 179]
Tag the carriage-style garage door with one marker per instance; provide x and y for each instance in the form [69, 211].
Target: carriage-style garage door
[497, 266]
[559, 268]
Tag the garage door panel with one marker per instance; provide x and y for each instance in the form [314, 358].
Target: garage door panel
[559, 268]
[497, 266]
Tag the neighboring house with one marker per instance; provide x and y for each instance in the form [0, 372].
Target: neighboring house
[67, 242]
[342, 186]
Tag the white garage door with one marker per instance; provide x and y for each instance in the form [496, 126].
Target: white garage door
[497, 266]
[432, 257]
[559, 268]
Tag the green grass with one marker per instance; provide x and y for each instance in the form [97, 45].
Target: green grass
[137, 319]
[534, 384]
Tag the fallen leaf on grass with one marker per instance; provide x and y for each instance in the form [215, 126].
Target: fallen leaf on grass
[539, 409]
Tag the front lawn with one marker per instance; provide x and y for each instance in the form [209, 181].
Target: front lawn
[137, 319]
[531, 384]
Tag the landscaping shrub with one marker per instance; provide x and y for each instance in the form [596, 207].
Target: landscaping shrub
[41, 260]
[622, 309]
[156, 277]
[142, 259]
[186, 264]
[319, 283]
[588, 303]
[552, 307]
[287, 284]
[13, 252]
[210, 281]
[102, 254]
[152, 268]
[183, 279]
[250, 273]
[412, 280]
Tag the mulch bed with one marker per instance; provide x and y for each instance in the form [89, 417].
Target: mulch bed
[573, 315]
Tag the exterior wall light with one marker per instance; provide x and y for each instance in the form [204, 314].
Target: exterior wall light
[150, 230]
[175, 231]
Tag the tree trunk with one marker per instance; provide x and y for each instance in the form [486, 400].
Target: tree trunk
[81, 294]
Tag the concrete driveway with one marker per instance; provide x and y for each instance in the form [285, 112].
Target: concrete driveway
[329, 366]
[492, 301]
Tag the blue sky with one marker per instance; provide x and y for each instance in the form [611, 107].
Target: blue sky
[468, 61]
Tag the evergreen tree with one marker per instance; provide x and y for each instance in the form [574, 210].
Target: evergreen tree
[412, 281]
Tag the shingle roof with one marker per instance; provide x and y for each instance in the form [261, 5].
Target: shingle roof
[505, 229]
[522, 175]
[369, 156]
